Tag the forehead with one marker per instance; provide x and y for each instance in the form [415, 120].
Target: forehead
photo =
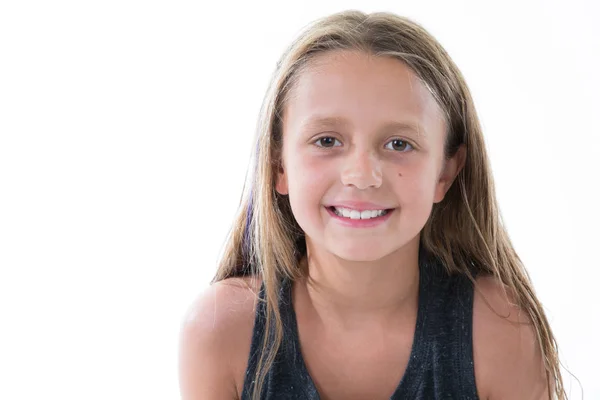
[347, 87]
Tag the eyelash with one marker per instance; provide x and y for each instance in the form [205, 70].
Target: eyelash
[331, 137]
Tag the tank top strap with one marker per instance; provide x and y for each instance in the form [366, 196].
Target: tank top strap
[446, 308]
[287, 378]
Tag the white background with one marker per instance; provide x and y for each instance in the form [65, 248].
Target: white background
[126, 131]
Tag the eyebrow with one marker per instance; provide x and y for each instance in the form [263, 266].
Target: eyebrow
[317, 122]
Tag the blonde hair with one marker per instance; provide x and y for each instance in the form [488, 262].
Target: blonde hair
[464, 230]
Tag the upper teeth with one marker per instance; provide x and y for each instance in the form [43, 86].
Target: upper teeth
[355, 214]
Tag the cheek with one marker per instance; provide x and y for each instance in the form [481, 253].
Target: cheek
[306, 176]
[417, 184]
[307, 186]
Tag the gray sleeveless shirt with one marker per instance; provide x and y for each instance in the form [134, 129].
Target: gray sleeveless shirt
[441, 359]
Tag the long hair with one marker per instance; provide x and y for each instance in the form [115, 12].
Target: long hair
[465, 230]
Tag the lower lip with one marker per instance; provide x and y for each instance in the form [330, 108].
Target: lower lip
[360, 223]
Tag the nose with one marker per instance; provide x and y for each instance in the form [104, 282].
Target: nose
[363, 170]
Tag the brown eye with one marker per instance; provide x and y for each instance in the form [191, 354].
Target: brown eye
[398, 145]
[326, 141]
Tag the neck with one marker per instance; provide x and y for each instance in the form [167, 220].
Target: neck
[353, 294]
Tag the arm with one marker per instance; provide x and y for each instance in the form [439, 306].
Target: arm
[507, 355]
[205, 372]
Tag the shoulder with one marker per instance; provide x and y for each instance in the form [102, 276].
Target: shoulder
[507, 357]
[215, 338]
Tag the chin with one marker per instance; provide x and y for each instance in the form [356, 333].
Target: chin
[362, 252]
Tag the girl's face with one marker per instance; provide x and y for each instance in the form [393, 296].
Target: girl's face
[362, 133]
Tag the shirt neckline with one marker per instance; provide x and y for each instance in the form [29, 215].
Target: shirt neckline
[419, 350]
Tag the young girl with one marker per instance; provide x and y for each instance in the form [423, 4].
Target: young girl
[368, 259]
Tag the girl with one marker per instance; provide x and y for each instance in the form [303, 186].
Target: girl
[368, 259]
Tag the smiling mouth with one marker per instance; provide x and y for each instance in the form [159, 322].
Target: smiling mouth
[355, 214]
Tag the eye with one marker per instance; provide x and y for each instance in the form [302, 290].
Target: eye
[326, 141]
[398, 145]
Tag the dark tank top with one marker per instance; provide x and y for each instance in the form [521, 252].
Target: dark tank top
[441, 360]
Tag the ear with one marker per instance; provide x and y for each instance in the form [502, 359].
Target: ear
[449, 173]
[281, 184]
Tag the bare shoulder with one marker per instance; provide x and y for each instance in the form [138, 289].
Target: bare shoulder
[507, 358]
[215, 338]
